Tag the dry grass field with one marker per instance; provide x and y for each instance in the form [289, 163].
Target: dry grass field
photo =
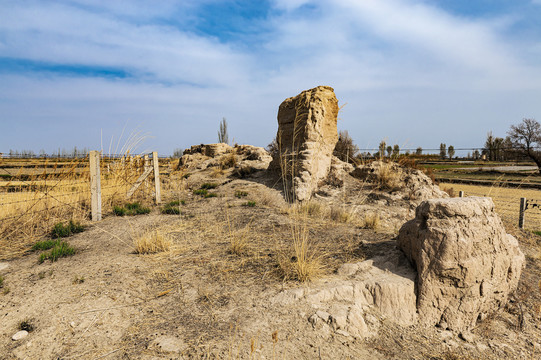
[506, 201]
[36, 194]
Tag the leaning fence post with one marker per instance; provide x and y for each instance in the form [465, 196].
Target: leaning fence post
[95, 185]
[157, 176]
[461, 194]
[521, 213]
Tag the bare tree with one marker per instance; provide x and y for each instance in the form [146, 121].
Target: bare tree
[443, 150]
[382, 146]
[526, 139]
[396, 151]
[223, 136]
[345, 149]
[451, 152]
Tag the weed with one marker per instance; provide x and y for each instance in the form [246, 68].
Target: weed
[1, 281]
[130, 209]
[60, 230]
[239, 194]
[187, 175]
[119, 211]
[209, 186]
[217, 172]
[371, 221]
[228, 161]
[44, 245]
[172, 207]
[201, 192]
[26, 325]
[311, 208]
[238, 239]
[41, 275]
[6, 290]
[388, 178]
[537, 232]
[151, 242]
[339, 214]
[304, 265]
[60, 249]
[210, 195]
[250, 204]
[78, 280]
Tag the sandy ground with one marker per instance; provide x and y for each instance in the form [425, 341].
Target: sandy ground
[200, 300]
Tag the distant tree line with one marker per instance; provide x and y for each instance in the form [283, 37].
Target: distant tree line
[75, 152]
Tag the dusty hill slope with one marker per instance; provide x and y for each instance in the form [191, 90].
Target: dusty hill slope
[228, 285]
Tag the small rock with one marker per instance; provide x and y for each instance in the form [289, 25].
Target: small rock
[3, 265]
[482, 347]
[323, 315]
[343, 333]
[446, 335]
[20, 335]
[467, 336]
[314, 319]
[72, 324]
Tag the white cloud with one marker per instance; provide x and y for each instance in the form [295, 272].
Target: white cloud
[405, 68]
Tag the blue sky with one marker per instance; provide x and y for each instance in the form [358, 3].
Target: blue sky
[412, 72]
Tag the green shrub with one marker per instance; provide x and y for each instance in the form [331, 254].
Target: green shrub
[60, 249]
[172, 207]
[130, 209]
[119, 211]
[201, 192]
[210, 195]
[60, 230]
[537, 233]
[1, 281]
[44, 245]
[250, 204]
[209, 186]
[240, 194]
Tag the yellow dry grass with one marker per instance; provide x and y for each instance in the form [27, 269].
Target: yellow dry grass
[59, 192]
[506, 201]
[151, 242]
[371, 221]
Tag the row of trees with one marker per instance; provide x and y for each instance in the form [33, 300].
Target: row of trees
[75, 152]
[523, 141]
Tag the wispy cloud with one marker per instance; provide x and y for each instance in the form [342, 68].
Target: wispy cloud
[185, 64]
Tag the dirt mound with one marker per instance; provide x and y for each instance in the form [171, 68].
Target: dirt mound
[467, 263]
[246, 157]
[394, 178]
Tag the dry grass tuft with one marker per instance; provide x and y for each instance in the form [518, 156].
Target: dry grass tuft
[388, 178]
[151, 242]
[339, 214]
[302, 263]
[228, 160]
[238, 239]
[310, 208]
[371, 221]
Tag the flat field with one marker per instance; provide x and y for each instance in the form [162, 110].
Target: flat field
[506, 201]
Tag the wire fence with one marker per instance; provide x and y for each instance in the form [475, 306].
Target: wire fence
[34, 198]
[508, 206]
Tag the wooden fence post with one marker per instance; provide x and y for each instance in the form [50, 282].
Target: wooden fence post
[157, 177]
[95, 185]
[461, 194]
[521, 213]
